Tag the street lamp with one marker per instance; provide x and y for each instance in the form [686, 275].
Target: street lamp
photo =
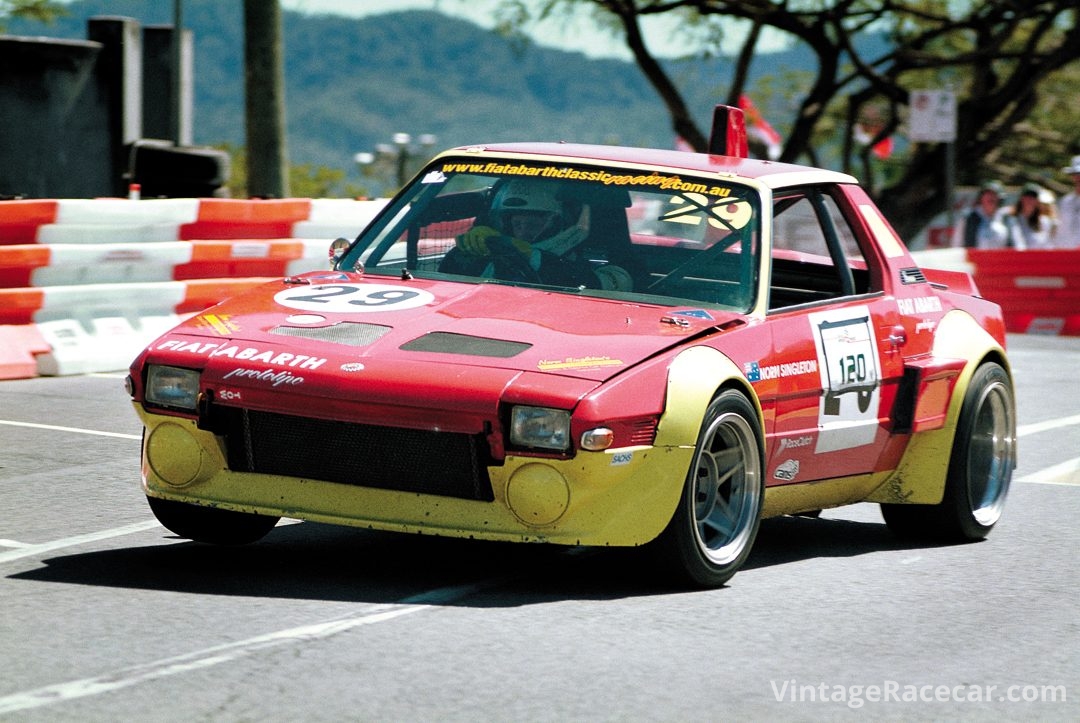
[400, 156]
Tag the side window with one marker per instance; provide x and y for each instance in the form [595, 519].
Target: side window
[815, 256]
[846, 236]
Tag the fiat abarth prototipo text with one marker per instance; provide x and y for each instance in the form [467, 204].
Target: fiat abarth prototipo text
[591, 345]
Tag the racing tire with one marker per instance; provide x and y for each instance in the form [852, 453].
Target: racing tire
[980, 467]
[210, 524]
[716, 522]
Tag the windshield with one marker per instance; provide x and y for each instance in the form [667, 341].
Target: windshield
[651, 236]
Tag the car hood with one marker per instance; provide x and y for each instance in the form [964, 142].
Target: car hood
[348, 318]
[436, 353]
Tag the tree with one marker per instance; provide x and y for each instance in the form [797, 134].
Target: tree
[305, 180]
[997, 55]
[264, 76]
[44, 11]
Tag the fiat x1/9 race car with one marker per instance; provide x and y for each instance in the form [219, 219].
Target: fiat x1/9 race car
[591, 345]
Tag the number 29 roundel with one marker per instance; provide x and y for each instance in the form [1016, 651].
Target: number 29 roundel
[353, 298]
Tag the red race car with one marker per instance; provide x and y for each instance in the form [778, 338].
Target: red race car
[591, 345]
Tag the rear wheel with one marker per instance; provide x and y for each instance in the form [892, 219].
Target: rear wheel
[980, 468]
[714, 527]
[210, 524]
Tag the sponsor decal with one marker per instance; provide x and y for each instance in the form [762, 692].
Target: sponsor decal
[796, 442]
[281, 359]
[352, 367]
[919, 305]
[788, 470]
[275, 378]
[353, 298]
[246, 353]
[585, 362]
[652, 180]
[927, 326]
[189, 347]
[621, 458]
[220, 324]
[757, 373]
[694, 314]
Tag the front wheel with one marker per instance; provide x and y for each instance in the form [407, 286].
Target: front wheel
[980, 468]
[714, 527]
[210, 524]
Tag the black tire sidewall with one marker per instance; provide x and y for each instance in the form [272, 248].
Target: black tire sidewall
[680, 539]
[957, 500]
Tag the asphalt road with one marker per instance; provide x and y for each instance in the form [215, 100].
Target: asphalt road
[106, 616]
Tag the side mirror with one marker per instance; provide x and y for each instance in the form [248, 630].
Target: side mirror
[337, 250]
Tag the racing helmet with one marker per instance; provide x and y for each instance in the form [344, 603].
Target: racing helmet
[522, 197]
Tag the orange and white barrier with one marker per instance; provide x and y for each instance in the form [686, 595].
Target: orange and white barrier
[39, 265]
[120, 220]
[85, 284]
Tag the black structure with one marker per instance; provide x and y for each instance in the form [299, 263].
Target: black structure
[84, 119]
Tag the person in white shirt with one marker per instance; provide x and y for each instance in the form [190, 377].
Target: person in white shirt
[1029, 223]
[1067, 233]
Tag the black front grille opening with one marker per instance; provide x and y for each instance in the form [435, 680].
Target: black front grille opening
[392, 458]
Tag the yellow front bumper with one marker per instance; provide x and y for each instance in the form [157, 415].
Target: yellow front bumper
[620, 497]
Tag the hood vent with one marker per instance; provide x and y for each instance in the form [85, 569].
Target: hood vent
[346, 332]
[447, 343]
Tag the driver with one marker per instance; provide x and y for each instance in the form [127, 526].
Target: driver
[534, 236]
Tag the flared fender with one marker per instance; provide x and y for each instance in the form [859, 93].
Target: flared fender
[920, 476]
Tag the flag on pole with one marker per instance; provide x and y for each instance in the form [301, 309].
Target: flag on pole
[865, 132]
[759, 129]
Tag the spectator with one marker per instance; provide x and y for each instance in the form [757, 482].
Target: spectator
[984, 225]
[1067, 234]
[1029, 223]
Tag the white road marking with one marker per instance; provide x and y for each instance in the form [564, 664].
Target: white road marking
[13, 543]
[1025, 429]
[228, 652]
[1065, 473]
[31, 550]
[54, 428]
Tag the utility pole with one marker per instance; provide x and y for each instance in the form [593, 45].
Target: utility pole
[264, 106]
[177, 53]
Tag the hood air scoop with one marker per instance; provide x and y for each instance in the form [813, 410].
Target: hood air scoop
[447, 343]
[346, 332]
